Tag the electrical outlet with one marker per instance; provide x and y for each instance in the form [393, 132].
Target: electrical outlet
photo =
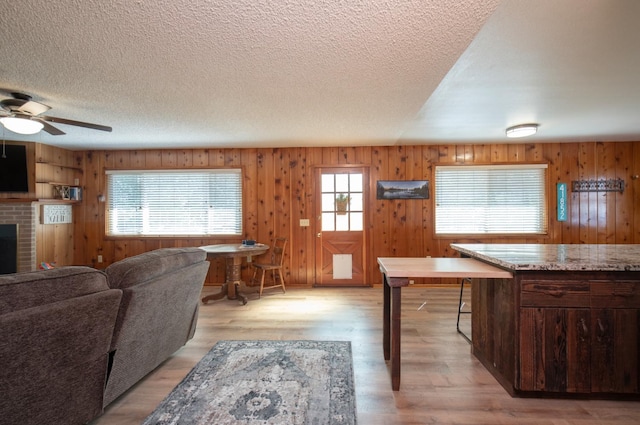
[76, 182]
[99, 258]
[304, 222]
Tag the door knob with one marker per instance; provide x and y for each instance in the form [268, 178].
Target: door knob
[319, 234]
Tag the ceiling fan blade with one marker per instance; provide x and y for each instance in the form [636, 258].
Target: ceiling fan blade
[76, 123]
[49, 128]
[33, 108]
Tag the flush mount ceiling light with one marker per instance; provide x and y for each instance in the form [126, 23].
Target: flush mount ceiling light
[21, 125]
[522, 130]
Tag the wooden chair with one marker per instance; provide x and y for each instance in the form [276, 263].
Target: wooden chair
[274, 266]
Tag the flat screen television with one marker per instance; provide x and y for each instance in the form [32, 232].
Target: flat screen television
[14, 176]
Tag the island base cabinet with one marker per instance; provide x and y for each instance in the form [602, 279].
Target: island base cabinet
[547, 333]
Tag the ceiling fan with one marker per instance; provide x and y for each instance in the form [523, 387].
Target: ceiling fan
[21, 115]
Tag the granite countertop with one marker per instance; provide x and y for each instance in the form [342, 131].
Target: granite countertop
[562, 257]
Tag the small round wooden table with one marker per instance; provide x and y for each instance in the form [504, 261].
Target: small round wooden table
[234, 253]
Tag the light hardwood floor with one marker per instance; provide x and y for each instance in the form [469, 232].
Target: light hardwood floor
[442, 383]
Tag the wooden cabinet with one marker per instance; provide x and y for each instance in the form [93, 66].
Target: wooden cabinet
[554, 336]
[575, 332]
[615, 337]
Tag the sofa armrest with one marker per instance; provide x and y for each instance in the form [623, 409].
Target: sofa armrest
[54, 359]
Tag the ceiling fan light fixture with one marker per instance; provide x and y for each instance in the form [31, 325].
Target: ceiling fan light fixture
[522, 130]
[21, 125]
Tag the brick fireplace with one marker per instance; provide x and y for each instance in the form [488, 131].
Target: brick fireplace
[24, 215]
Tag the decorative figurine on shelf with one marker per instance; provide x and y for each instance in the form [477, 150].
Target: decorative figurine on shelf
[64, 191]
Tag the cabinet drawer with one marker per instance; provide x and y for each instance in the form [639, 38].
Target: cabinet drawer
[552, 293]
[618, 294]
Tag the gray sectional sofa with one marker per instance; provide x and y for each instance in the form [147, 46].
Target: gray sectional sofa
[73, 339]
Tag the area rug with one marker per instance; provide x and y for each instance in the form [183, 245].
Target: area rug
[265, 382]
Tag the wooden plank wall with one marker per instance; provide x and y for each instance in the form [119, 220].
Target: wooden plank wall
[279, 191]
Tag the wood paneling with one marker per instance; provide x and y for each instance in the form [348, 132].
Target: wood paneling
[279, 187]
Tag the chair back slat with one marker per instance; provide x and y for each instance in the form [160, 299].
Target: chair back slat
[277, 254]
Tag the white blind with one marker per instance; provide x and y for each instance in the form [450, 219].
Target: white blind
[494, 199]
[198, 202]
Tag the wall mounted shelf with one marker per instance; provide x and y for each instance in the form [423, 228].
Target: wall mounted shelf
[55, 164]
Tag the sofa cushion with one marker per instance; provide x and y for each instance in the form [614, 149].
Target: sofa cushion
[20, 291]
[150, 265]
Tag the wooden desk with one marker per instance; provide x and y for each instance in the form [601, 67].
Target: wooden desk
[234, 253]
[396, 273]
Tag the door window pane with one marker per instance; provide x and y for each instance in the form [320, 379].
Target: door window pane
[356, 222]
[342, 182]
[355, 182]
[342, 222]
[328, 222]
[328, 184]
[356, 202]
[328, 201]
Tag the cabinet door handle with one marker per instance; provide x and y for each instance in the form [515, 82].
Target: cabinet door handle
[602, 331]
[555, 293]
[582, 326]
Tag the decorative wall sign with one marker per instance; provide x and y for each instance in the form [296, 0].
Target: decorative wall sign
[57, 214]
[602, 185]
[402, 189]
[562, 201]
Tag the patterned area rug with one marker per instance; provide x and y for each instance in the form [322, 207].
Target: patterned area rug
[265, 382]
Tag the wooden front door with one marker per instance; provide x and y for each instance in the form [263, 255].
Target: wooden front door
[340, 226]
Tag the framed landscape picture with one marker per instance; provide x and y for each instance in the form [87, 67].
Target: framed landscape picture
[402, 189]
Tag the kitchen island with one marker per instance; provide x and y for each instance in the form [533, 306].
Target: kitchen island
[567, 323]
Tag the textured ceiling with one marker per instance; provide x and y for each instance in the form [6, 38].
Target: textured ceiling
[571, 65]
[236, 73]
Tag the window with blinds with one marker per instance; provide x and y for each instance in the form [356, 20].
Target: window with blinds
[154, 203]
[493, 199]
